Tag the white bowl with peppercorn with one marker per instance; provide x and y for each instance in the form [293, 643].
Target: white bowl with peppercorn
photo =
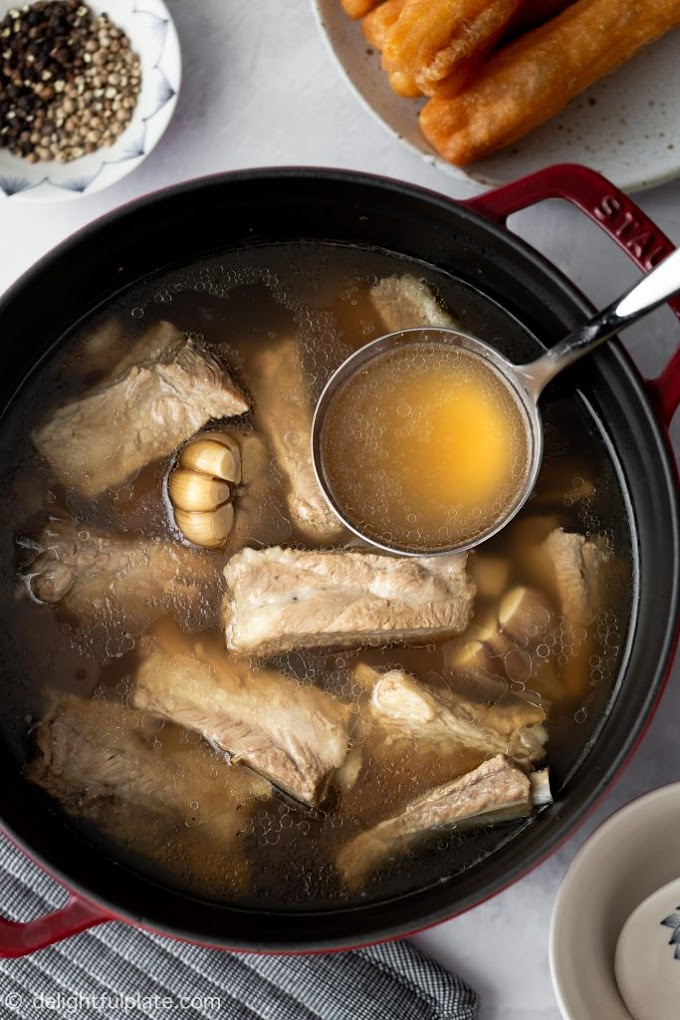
[86, 91]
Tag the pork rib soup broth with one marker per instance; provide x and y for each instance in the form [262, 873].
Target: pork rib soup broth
[214, 681]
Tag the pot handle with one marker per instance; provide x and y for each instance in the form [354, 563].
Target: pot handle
[618, 216]
[75, 916]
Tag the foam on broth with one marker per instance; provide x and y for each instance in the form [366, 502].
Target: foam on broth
[237, 302]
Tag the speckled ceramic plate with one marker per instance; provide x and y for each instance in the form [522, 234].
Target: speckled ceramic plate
[627, 126]
[153, 37]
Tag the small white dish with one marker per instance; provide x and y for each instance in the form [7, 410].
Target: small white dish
[647, 962]
[627, 859]
[627, 126]
[153, 37]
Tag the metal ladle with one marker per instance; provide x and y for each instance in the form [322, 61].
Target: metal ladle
[526, 382]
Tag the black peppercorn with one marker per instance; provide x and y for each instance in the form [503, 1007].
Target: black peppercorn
[50, 53]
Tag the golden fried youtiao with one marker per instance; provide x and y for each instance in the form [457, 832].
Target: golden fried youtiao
[379, 21]
[376, 25]
[440, 43]
[358, 8]
[404, 85]
[533, 78]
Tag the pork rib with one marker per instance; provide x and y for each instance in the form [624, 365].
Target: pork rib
[495, 791]
[90, 750]
[406, 708]
[143, 413]
[576, 564]
[295, 735]
[404, 302]
[123, 581]
[259, 517]
[156, 343]
[283, 412]
[279, 599]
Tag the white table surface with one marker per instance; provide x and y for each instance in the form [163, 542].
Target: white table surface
[259, 90]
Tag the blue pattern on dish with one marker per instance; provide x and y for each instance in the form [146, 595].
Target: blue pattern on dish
[673, 921]
[79, 183]
[12, 185]
[135, 144]
[163, 93]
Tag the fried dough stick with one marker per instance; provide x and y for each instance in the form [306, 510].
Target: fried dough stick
[534, 77]
[358, 8]
[439, 43]
[379, 21]
[376, 26]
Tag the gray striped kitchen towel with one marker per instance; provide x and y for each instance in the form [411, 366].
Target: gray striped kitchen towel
[116, 972]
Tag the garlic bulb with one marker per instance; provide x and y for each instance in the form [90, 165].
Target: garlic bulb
[200, 488]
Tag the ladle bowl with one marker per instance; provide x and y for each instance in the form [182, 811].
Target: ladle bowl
[525, 383]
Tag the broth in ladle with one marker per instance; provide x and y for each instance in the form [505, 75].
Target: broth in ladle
[425, 447]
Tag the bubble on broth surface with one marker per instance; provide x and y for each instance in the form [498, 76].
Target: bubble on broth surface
[193, 737]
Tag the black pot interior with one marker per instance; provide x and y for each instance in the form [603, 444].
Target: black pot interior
[248, 209]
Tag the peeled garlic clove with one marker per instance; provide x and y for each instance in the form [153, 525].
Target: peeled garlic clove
[484, 630]
[210, 529]
[482, 656]
[214, 454]
[525, 612]
[484, 626]
[470, 655]
[189, 490]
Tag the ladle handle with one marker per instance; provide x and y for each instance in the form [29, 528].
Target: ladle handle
[647, 294]
[618, 216]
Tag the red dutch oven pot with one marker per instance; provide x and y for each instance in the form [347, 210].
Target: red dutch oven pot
[468, 240]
